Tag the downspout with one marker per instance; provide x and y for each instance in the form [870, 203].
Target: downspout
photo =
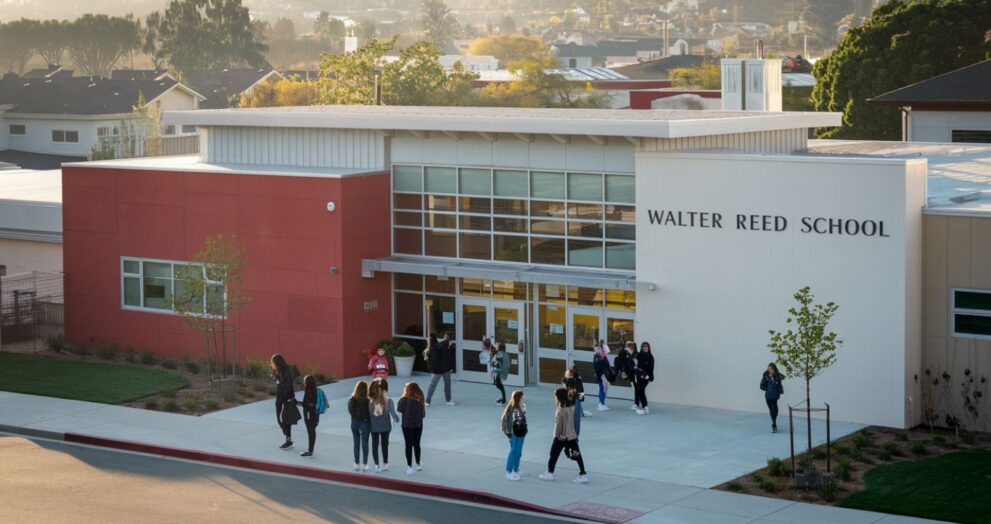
[905, 132]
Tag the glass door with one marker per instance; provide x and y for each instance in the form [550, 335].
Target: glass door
[502, 321]
[585, 327]
[619, 329]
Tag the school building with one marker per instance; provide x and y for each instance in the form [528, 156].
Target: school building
[548, 229]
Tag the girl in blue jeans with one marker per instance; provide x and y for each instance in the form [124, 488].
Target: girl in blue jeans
[514, 426]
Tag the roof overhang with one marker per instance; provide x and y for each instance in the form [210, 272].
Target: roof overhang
[499, 271]
[934, 105]
[181, 87]
[510, 122]
[58, 116]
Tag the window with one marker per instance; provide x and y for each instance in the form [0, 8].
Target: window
[972, 313]
[3, 270]
[168, 129]
[63, 136]
[188, 130]
[957, 135]
[154, 285]
[18, 129]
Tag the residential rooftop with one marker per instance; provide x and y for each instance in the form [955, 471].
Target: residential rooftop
[596, 122]
[965, 87]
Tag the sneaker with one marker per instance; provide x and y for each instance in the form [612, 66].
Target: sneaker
[546, 476]
[646, 409]
[603, 407]
[306, 454]
[426, 404]
[419, 467]
[641, 412]
[385, 467]
[364, 468]
[409, 470]
[634, 407]
[286, 445]
[377, 468]
[357, 467]
[520, 473]
[774, 429]
[450, 402]
[581, 479]
[515, 476]
[509, 475]
[586, 414]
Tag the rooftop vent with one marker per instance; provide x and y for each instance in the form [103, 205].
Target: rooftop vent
[966, 197]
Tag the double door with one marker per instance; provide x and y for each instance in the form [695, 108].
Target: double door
[499, 320]
[582, 328]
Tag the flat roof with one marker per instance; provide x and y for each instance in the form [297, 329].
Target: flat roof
[654, 123]
[194, 164]
[31, 186]
[958, 176]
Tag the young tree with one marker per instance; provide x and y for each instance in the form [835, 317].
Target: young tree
[17, 44]
[805, 349]
[705, 76]
[902, 43]
[209, 290]
[195, 35]
[510, 48]
[439, 24]
[99, 42]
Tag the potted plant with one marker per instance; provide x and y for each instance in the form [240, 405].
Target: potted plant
[404, 356]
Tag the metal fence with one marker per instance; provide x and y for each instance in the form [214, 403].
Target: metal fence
[31, 308]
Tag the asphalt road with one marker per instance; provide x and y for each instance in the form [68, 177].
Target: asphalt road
[52, 482]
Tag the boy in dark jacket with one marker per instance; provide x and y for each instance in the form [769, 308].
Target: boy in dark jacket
[440, 358]
[772, 386]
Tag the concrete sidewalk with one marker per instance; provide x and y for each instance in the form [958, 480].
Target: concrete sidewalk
[643, 469]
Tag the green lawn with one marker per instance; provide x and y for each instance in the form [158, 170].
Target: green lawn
[954, 487]
[90, 381]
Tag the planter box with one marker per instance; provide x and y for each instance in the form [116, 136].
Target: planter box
[404, 366]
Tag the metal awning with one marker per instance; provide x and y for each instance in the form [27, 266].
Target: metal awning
[499, 271]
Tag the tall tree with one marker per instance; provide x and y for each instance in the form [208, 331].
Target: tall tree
[52, 40]
[535, 87]
[902, 43]
[150, 38]
[17, 44]
[821, 17]
[206, 34]
[283, 29]
[510, 48]
[99, 42]
[439, 24]
[327, 28]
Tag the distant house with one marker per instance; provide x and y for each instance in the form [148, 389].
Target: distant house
[52, 71]
[952, 107]
[140, 74]
[607, 53]
[660, 69]
[222, 88]
[71, 116]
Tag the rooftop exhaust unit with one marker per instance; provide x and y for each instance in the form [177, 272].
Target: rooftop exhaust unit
[751, 84]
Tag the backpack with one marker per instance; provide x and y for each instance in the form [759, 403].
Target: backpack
[321, 402]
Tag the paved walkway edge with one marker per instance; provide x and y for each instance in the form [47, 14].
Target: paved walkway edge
[343, 477]
[29, 432]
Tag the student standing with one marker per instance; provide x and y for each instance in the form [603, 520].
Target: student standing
[772, 383]
[284, 394]
[499, 369]
[360, 424]
[378, 365]
[311, 417]
[412, 408]
[565, 437]
[644, 376]
[514, 427]
[626, 363]
[600, 363]
[382, 414]
[576, 390]
[440, 357]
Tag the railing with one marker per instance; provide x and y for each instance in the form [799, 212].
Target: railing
[31, 308]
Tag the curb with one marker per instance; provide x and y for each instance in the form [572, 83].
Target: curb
[342, 477]
[30, 432]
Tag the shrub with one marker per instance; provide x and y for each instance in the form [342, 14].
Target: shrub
[56, 343]
[169, 394]
[108, 351]
[256, 368]
[758, 478]
[967, 438]
[843, 469]
[229, 397]
[862, 440]
[170, 406]
[147, 357]
[324, 378]
[828, 489]
[169, 363]
[919, 448]
[403, 349]
[151, 404]
[818, 453]
[769, 486]
[778, 468]
[130, 355]
[78, 349]
[192, 367]
[883, 455]
[843, 450]
[734, 486]
[212, 405]
[191, 403]
[260, 387]
[939, 440]
[901, 437]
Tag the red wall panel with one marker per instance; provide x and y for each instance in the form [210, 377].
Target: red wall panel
[299, 307]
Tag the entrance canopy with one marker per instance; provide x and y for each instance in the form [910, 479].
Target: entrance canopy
[497, 271]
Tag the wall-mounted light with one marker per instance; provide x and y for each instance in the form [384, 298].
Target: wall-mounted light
[331, 206]
[333, 270]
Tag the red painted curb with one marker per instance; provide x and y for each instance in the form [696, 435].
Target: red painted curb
[418, 488]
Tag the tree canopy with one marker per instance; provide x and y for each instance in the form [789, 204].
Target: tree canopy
[534, 87]
[904, 41]
[510, 48]
[204, 34]
[282, 93]
[17, 44]
[100, 41]
[821, 18]
[439, 24]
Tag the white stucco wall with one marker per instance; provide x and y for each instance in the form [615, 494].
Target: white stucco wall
[21, 256]
[176, 100]
[719, 290]
[936, 126]
[38, 137]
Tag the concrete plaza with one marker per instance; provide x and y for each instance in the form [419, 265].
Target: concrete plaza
[644, 469]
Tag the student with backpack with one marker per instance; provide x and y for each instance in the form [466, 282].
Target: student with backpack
[499, 369]
[772, 384]
[514, 427]
[644, 375]
[286, 413]
[603, 373]
[378, 365]
[360, 424]
[565, 438]
[382, 413]
[576, 390]
[314, 405]
[411, 406]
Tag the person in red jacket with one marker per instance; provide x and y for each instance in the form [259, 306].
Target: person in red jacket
[378, 365]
